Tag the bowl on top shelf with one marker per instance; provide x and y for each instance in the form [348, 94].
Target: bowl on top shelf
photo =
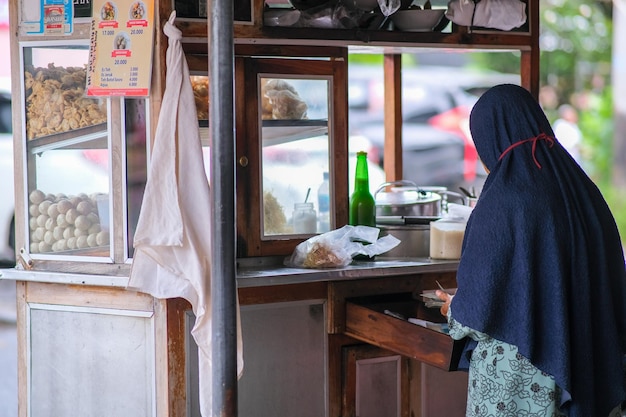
[417, 20]
[369, 5]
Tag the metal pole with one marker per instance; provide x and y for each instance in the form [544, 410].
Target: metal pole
[222, 175]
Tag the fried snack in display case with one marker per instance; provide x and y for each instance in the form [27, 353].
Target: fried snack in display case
[200, 86]
[54, 91]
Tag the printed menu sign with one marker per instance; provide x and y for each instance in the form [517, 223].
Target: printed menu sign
[121, 46]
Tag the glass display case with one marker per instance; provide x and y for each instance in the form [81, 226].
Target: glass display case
[67, 153]
[69, 157]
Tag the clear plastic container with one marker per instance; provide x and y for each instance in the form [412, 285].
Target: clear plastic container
[304, 218]
[446, 238]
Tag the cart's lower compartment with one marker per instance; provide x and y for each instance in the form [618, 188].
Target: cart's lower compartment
[368, 319]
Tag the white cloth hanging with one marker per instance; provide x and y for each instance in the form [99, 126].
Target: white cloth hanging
[173, 237]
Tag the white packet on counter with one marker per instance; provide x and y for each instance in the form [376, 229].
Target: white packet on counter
[335, 249]
[459, 211]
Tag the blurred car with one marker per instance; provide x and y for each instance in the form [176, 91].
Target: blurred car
[436, 103]
[56, 173]
[7, 220]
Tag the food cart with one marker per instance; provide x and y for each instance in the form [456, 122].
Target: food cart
[315, 341]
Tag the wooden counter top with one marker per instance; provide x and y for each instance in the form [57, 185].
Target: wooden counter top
[260, 272]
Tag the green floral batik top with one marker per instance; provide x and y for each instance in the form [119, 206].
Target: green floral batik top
[502, 382]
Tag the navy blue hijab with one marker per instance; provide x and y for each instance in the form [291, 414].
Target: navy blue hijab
[542, 265]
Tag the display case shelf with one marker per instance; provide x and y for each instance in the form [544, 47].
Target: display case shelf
[276, 132]
[90, 137]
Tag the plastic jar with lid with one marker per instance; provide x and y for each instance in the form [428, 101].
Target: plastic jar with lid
[304, 218]
[446, 238]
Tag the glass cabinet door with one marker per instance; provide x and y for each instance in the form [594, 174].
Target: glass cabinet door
[292, 149]
[67, 153]
[295, 150]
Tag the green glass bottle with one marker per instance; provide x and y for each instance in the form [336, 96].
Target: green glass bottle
[362, 205]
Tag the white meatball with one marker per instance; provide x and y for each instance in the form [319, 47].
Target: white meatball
[84, 207]
[34, 247]
[91, 240]
[43, 206]
[68, 232]
[48, 237]
[44, 247]
[102, 238]
[53, 211]
[57, 233]
[62, 220]
[41, 220]
[50, 224]
[81, 242]
[82, 222]
[39, 233]
[64, 205]
[33, 210]
[36, 196]
[71, 215]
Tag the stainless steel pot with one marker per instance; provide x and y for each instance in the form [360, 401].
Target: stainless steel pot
[414, 240]
[404, 198]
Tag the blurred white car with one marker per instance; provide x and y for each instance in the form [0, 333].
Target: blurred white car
[66, 171]
[7, 228]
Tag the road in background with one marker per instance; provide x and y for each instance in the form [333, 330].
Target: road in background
[8, 350]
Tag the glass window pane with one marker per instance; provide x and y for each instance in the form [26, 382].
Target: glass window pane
[295, 155]
[69, 201]
[136, 163]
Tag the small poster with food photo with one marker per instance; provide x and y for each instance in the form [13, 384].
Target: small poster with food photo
[121, 48]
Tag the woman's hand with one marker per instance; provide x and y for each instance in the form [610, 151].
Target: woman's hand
[447, 299]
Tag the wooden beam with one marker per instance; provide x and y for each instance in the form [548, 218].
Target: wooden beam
[529, 63]
[392, 156]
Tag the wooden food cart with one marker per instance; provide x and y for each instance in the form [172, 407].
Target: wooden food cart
[316, 342]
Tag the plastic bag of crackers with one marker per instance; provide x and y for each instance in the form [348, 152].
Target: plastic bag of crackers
[337, 248]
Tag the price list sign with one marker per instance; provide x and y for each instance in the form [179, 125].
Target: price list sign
[121, 47]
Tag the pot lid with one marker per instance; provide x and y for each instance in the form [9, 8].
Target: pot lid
[403, 192]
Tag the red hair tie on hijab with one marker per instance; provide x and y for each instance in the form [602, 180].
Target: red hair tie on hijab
[541, 136]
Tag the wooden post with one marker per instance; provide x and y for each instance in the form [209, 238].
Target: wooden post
[393, 117]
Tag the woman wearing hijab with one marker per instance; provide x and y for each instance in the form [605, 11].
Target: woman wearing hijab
[541, 293]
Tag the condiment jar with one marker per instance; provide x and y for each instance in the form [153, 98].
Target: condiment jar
[304, 218]
[446, 238]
